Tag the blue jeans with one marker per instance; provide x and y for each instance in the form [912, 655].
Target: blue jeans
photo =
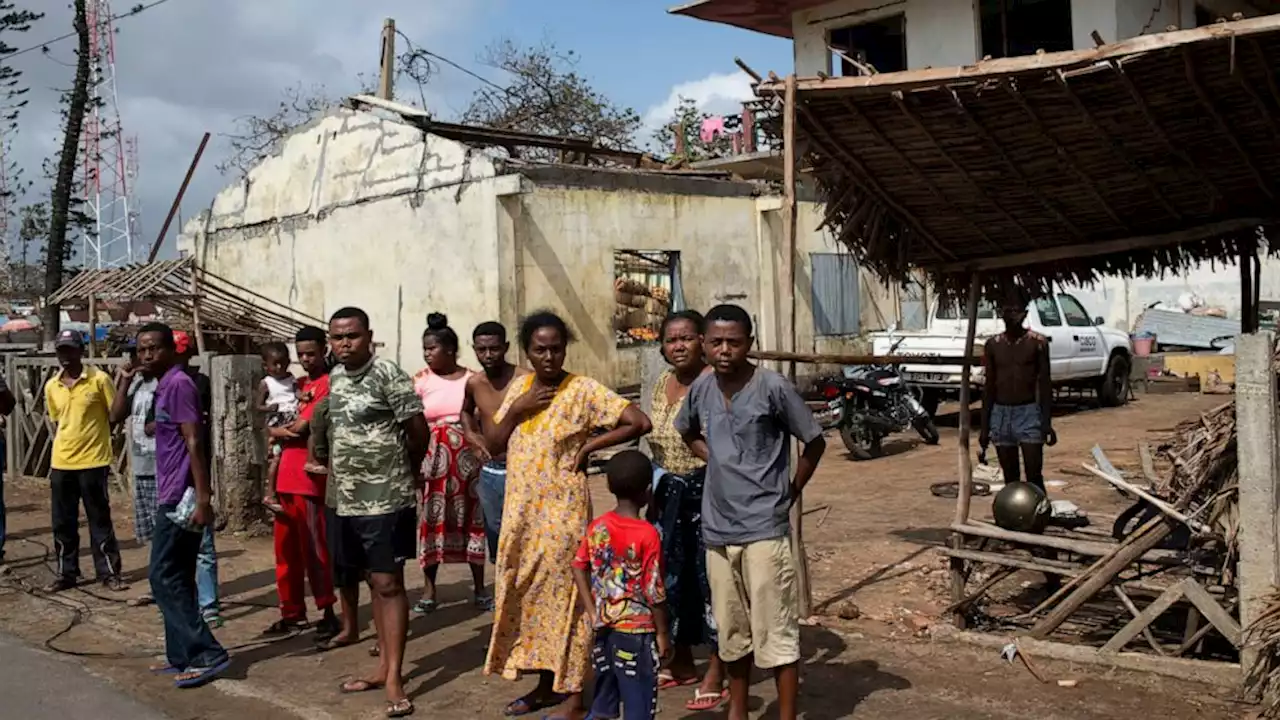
[626, 667]
[188, 643]
[491, 492]
[207, 575]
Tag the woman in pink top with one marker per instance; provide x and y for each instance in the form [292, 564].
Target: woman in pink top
[451, 529]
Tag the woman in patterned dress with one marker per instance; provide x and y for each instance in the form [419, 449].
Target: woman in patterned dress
[677, 510]
[546, 423]
[451, 527]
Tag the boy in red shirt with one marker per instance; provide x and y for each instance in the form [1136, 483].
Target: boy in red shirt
[618, 571]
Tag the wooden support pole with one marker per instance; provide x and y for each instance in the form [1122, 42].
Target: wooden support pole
[93, 325]
[195, 309]
[966, 372]
[803, 590]
[387, 63]
[1256, 453]
[958, 575]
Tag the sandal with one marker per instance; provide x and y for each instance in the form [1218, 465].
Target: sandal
[527, 705]
[667, 681]
[284, 627]
[706, 701]
[163, 668]
[425, 606]
[484, 603]
[197, 676]
[400, 708]
[332, 643]
[374, 650]
[353, 687]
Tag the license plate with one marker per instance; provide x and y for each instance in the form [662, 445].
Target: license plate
[927, 377]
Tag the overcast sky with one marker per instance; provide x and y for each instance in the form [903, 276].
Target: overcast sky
[187, 66]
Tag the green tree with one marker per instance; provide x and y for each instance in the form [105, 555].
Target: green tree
[686, 120]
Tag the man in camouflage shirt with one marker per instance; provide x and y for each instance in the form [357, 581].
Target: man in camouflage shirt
[378, 438]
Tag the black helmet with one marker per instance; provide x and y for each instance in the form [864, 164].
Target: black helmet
[1021, 507]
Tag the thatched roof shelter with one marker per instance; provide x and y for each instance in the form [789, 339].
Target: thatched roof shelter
[191, 295]
[1138, 158]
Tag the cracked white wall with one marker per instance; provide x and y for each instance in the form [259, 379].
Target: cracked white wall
[356, 210]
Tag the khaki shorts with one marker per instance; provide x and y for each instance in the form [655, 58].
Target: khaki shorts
[753, 596]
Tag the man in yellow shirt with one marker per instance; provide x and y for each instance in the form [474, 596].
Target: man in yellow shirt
[78, 400]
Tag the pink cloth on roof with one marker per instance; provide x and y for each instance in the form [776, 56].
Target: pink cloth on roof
[441, 398]
[711, 127]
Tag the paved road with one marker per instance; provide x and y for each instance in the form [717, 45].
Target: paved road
[42, 686]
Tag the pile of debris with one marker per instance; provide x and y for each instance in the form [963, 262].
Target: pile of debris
[1203, 475]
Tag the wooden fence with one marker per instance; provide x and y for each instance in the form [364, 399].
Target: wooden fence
[29, 431]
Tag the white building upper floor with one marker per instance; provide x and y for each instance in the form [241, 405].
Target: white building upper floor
[838, 37]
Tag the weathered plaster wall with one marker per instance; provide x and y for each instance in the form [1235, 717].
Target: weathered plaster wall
[356, 210]
[361, 211]
[731, 251]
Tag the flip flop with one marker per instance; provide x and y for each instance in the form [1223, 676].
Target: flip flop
[526, 706]
[328, 644]
[705, 701]
[400, 708]
[164, 669]
[355, 687]
[425, 606]
[666, 681]
[484, 603]
[202, 676]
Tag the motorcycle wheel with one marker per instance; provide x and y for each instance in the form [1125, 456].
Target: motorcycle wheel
[927, 430]
[860, 446]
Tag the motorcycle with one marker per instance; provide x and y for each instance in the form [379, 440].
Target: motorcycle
[871, 402]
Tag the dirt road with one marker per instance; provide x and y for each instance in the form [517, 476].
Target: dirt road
[872, 548]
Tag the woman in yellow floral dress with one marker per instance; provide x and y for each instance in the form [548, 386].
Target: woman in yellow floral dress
[546, 423]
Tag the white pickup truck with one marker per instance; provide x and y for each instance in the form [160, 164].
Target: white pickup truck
[1082, 351]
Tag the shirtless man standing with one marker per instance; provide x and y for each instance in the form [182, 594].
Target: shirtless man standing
[484, 395]
[1017, 402]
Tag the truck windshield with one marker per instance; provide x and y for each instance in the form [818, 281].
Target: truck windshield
[986, 311]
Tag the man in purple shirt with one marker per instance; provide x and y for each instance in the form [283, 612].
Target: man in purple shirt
[193, 655]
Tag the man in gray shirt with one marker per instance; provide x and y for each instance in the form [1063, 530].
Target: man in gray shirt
[740, 419]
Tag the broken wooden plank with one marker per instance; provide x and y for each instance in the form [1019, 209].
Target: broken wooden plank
[1136, 613]
[1213, 612]
[1145, 618]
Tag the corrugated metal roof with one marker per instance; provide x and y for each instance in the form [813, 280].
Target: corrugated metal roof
[1172, 327]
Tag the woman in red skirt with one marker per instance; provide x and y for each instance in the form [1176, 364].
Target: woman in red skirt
[451, 528]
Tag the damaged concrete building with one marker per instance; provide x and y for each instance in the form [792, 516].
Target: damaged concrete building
[377, 206]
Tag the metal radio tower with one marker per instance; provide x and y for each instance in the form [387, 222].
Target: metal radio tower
[108, 175]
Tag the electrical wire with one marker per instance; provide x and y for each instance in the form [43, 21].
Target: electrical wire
[128, 13]
[81, 611]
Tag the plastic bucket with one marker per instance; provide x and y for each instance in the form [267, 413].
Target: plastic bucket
[1142, 346]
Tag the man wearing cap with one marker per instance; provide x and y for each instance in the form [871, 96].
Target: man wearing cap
[78, 400]
[207, 560]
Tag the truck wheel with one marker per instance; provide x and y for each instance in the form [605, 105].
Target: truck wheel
[1114, 388]
[861, 445]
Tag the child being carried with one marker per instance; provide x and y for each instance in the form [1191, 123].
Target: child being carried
[278, 398]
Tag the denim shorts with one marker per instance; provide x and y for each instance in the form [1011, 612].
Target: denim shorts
[1016, 425]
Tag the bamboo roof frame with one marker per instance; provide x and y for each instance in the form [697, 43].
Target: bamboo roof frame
[1138, 158]
[182, 288]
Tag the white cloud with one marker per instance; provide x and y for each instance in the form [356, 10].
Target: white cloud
[717, 93]
[189, 66]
